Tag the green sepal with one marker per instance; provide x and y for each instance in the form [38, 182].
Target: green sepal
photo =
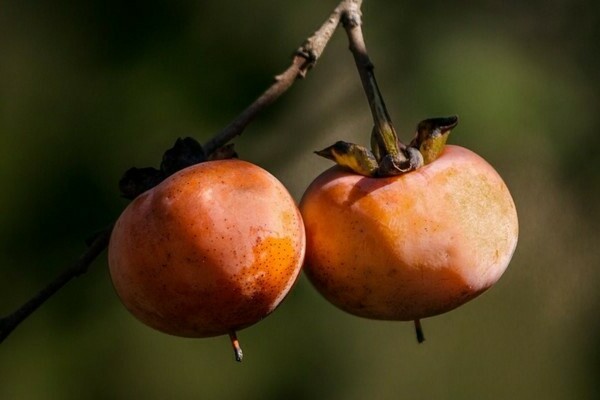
[353, 156]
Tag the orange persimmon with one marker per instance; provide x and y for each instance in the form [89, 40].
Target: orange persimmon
[410, 246]
[212, 249]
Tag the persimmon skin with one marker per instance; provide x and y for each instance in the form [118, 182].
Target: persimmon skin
[212, 249]
[410, 246]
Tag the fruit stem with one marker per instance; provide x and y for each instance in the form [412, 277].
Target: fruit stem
[431, 136]
[239, 354]
[419, 331]
[385, 140]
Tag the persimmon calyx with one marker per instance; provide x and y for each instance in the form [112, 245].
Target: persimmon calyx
[184, 153]
[356, 157]
[431, 136]
[426, 146]
[362, 160]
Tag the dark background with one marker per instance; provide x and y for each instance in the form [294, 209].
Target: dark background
[89, 89]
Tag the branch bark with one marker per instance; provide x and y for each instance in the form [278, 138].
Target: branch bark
[96, 247]
[304, 59]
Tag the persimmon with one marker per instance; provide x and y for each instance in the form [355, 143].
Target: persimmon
[411, 245]
[212, 249]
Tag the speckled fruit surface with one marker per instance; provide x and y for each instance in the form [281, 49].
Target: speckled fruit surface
[212, 249]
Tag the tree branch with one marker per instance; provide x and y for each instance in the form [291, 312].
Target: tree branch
[304, 59]
[96, 247]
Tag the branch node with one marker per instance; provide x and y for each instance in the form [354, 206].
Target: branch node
[304, 59]
[305, 51]
[352, 16]
[309, 60]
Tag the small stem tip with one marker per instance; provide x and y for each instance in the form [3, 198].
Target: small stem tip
[419, 331]
[239, 354]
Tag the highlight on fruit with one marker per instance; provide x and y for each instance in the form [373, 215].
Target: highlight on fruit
[212, 249]
[411, 242]
[210, 244]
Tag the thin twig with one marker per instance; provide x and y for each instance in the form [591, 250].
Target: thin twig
[352, 20]
[304, 59]
[282, 83]
[10, 322]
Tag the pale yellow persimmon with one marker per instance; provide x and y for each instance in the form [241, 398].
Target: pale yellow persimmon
[410, 246]
[212, 249]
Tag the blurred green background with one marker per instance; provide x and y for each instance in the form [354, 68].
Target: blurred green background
[89, 89]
